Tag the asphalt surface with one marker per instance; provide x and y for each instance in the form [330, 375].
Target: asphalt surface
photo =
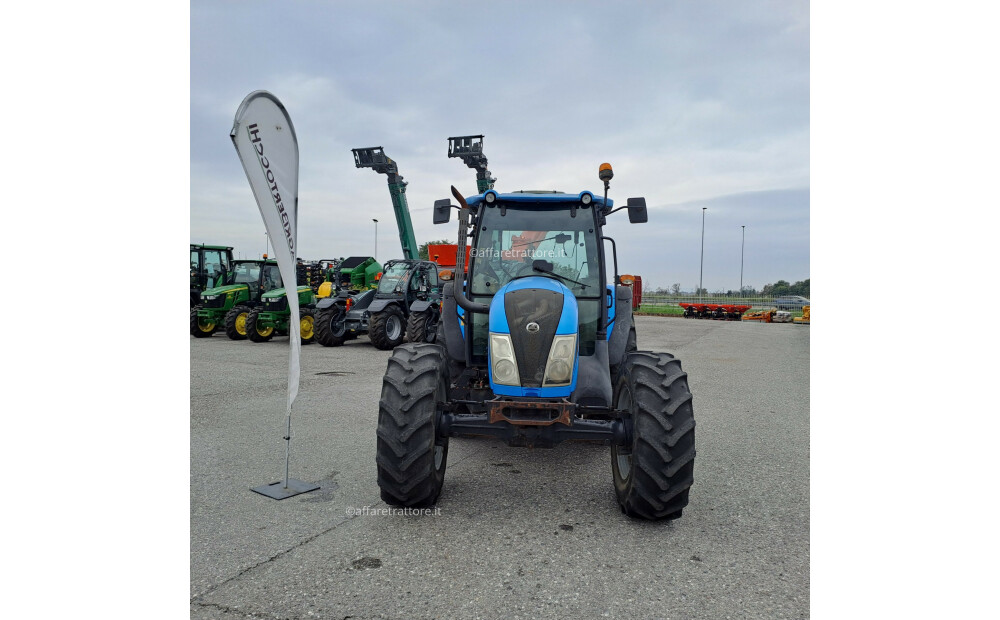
[519, 533]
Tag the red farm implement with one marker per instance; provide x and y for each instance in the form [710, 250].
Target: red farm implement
[722, 312]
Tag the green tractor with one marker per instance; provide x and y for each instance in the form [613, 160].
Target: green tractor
[537, 347]
[209, 265]
[229, 305]
[273, 316]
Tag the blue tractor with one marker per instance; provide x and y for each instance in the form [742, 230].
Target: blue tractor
[536, 348]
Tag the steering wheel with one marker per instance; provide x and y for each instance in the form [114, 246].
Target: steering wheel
[522, 270]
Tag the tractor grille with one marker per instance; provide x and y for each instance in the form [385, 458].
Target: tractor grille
[276, 305]
[532, 305]
[218, 302]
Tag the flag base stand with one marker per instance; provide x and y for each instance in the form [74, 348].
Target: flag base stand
[277, 490]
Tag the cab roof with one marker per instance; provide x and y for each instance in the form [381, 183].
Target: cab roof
[202, 246]
[544, 198]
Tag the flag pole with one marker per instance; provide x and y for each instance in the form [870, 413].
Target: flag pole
[265, 142]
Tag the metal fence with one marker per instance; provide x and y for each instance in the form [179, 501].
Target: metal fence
[649, 299]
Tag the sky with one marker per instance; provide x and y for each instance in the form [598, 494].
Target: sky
[694, 104]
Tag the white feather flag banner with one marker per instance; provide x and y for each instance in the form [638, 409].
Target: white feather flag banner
[265, 141]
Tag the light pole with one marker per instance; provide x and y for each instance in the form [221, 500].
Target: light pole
[742, 245]
[376, 239]
[701, 273]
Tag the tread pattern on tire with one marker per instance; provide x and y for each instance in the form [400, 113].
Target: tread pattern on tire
[252, 333]
[231, 317]
[407, 426]
[377, 332]
[663, 451]
[416, 326]
[324, 328]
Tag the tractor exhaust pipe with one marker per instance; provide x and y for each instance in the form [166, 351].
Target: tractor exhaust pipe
[463, 228]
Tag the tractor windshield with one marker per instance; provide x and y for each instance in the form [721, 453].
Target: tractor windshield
[393, 277]
[246, 273]
[509, 244]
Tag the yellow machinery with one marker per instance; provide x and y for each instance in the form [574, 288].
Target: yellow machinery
[764, 316]
[804, 319]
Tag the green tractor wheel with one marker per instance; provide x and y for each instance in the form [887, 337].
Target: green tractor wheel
[256, 333]
[200, 328]
[236, 322]
[307, 323]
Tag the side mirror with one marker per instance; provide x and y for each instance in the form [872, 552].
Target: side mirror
[637, 211]
[442, 211]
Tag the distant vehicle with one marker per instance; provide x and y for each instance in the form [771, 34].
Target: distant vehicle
[790, 302]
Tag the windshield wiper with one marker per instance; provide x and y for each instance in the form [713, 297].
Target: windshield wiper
[545, 266]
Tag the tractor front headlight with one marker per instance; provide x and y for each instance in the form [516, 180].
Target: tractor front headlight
[562, 356]
[502, 360]
[209, 297]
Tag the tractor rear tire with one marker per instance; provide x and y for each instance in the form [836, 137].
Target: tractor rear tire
[236, 322]
[410, 456]
[330, 329]
[422, 326]
[200, 329]
[253, 333]
[654, 474]
[307, 325]
[387, 329]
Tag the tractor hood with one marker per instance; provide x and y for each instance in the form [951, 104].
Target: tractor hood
[222, 290]
[280, 292]
[533, 339]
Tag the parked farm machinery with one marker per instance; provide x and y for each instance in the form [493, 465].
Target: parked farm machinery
[721, 312]
[536, 352]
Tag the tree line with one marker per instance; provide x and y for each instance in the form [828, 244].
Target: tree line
[780, 288]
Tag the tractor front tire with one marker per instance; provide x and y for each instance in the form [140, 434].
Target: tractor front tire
[256, 333]
[330, 328]
[387, 329]
[653, 475]
[411, 458]
[200, 329]
[422, 326]
[236, 322]
[307, 325]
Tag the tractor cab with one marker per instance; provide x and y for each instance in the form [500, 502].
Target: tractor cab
[259, 276]
[538, 313]
[409, 279]
[210, 265]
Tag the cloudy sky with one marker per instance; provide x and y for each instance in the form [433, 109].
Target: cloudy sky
[695, 104]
